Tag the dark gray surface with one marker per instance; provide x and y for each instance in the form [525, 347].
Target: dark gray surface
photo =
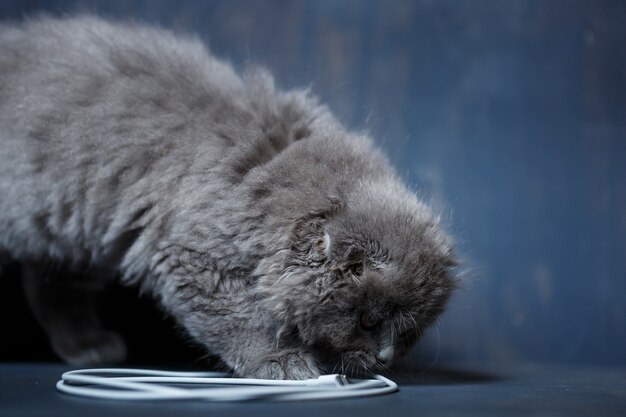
[520, 390]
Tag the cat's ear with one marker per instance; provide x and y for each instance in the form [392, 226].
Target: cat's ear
[321, 247]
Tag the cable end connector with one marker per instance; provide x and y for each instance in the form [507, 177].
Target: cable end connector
[329, 381]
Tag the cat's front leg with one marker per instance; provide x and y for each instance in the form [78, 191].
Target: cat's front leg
[224, 314]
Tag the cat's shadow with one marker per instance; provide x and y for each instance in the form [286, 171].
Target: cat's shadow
[443, 375]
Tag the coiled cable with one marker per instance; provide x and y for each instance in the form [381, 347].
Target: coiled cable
[144, 384]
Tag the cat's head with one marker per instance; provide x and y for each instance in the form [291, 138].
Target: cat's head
[362, 278]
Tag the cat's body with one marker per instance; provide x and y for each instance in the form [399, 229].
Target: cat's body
[126, 150]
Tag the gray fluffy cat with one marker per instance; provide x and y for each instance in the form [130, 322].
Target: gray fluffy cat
[279, 240]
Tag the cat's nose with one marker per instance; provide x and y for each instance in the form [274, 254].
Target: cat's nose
[385, 355]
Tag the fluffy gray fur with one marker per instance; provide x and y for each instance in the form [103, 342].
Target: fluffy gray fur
[280, 241]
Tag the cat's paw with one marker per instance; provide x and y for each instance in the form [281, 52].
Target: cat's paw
[96, 348]
[288, 364]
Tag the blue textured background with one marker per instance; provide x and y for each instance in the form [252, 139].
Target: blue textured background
[510, 116]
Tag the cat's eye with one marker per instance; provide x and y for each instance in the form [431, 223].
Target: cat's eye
[319, 246]
[368, 322]
[356, 269]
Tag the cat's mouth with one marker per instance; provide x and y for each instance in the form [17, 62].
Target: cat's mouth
[367, 362]
[351, 362]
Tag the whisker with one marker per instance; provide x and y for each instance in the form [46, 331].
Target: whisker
[415, 325]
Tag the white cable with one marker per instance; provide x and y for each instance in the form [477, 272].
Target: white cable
[143, 384]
